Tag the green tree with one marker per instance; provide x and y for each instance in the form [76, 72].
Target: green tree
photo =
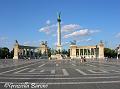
[5, 52]
[49, 52]
[110, 53]
[68, 54]
[40, 54]
[11, 54]
[64, 51]
[0, 52]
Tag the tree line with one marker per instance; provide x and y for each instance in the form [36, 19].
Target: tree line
[6, 53]
[110, 53]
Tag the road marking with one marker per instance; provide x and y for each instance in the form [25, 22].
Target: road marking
[101, 71]
[42, 70]
[65, 72]
[68, 78]
[29, 73]
[16, 69]
[73, 64]
[92, 71]
[115, 71]
[81, 72]
[34, 74]
[104, 71]
[57, 65]
[91, 65]
[42, 65]
[52, 71]
[69, 83]
[21, 70]
[32, 70]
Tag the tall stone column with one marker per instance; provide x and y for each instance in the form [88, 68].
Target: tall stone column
[59, 47]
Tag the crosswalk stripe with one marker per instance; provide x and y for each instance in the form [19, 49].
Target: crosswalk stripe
[115, 71]
[104, 71]
[42, 70]
[91, 65]
[92, 71]
[52, 71]
[57, 64]
[81, 72]
[65, 72]
[32, 70]
[41, 65]
[73, 64]
[18, 68]
[21, 70]
[101, 71]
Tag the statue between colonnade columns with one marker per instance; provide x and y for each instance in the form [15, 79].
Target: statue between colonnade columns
[24, 52]
[87, 51]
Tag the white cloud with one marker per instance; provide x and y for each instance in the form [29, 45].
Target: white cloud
[84, 32]
[65, 43]
[55, 44]
[78, 33]
[65, 28]
[94, 31]
[48, 22]
[4, 41]
[32, 43]
[3, 38]
[85, 40]
[70, 27]
[48, 29]
[70, 30]
[89, 39]
[26, 43]
[118, 35]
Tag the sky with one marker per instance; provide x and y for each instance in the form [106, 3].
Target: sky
[33, 21]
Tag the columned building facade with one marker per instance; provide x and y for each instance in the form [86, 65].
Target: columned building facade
[96, 51]
[21, 51]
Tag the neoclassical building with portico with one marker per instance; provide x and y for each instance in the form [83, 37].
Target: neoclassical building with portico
[96, 51]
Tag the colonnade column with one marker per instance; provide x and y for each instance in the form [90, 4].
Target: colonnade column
[87, 52]
[90, 52]
[83, 52]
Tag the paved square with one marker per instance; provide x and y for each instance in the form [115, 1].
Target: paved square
[65, 74]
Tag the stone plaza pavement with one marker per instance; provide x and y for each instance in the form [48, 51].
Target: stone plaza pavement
[60, 74]
[13, 62]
